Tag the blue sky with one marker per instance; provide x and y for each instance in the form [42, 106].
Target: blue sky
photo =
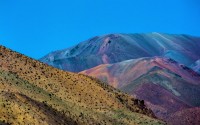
[37, 27]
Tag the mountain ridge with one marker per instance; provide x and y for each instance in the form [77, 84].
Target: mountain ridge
[113, 48]
[164, 84]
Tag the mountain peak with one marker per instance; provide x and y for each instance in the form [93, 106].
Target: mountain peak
[112, 48]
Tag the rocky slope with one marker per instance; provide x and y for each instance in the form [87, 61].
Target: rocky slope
[35, 93]
[114, 48]
[164, 84]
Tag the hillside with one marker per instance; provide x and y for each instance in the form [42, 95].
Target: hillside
[114, 48]
[35, 93]
[164, 84]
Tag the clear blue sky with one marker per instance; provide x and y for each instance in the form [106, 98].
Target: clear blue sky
[37, 27]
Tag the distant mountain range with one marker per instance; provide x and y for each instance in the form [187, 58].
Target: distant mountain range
[34, 93]
[162, 69]
[114, 48]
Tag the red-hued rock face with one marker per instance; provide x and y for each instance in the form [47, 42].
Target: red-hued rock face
[159, 99]
[122, 73]
[164, 84]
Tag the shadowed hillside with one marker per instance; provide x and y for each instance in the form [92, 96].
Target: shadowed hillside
[185, 117]
[34, 93]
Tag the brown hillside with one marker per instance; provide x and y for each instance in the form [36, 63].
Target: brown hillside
[34, 93]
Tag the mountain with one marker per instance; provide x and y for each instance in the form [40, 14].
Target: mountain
[164, 84]
[122, 73]
[34, 93]
[161, 69]
[114, 48]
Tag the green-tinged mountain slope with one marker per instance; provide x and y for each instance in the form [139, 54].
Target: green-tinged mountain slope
[35, 93]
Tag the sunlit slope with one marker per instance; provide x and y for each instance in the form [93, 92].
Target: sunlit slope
[32, 92]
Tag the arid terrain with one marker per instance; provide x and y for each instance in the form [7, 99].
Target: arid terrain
[34, 93]
[161, 69]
